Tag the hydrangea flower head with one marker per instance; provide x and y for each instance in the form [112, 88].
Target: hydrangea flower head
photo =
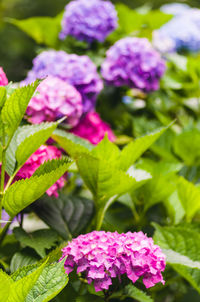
[102, 256]
[133, 62]
[180, 33]
[89, 20]
[78, 71]
[3, 78]
[54, 100]
[92, 128]
[44, 153]
[175, 8]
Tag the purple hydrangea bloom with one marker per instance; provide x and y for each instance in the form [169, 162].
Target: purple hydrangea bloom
[89, 20]
[102, 256]
[133, 62]
[78, 71]
[175, 8]
[55, 99]
[180, 33]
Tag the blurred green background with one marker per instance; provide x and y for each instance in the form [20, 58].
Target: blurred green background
[17, 50]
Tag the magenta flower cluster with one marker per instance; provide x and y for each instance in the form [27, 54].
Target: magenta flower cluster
[92, 128]
[44, 153]
[54, 100]
[89, 20]
[101, 256]
[133, 62]
[3, 78]
[78, 71]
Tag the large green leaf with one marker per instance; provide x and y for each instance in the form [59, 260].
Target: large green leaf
[39, 240]
[162, 184]
[15, 107]
[68, 215]
[50, 282]
[107, 150]
[71, 143]
[5, 285]
[2, 96]
[18, 291]
[105, 181]
[10, 154]
[174, 207]
[135, 149]
[182, 244]
[25, 257]
[44, 30]
[189, 196]
[30, 138]
[186, 146]
[22, 193]
[26, 141]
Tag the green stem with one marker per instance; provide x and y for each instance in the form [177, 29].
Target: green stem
[102, 211]
[135, 214]
[12, 178]
[4, 231]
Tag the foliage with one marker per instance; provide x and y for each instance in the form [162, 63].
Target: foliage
[148, 179]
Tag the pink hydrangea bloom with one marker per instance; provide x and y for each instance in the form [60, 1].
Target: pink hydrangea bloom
[92, 128]
[44, 153]
[3, 78]
[55, 99]
[105, 255]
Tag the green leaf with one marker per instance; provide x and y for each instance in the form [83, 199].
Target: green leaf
[50, 282]
[2, 96]
[131, 291]
[189, 196]
[5, 285]
[71, 143]
[39, 240]
[163, 146]
[15, 107]
[135, 149]
[186, 146]
[162, 184]
[25, 257]
[25, 142]
[107, 150]
[182, 244]
[18, 290]
[174, 207]
[44, 30]
[105, 182]
[141, 176]
[68, 215]
[22, 193]
[30, 138]
[10, 154]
